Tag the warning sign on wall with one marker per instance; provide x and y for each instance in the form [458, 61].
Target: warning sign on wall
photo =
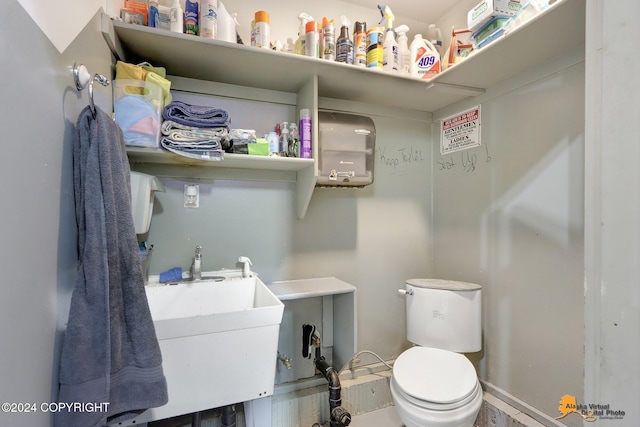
[460, 131]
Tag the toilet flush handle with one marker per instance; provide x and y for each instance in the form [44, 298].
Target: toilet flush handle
[405, 292]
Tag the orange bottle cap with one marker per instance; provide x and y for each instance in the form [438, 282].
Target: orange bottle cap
[262, 16]
[310, 27]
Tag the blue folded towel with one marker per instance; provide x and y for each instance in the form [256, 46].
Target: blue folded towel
[173, 275]
[196, 115]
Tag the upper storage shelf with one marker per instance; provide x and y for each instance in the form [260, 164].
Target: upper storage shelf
[559, 28]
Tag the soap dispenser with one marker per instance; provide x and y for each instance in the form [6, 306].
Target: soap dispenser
[143, 188]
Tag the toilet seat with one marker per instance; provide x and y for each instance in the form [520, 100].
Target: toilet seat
[434, 378]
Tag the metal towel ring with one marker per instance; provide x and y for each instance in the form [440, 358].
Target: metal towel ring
[81, 77]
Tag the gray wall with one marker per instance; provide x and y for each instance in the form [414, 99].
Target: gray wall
[38, 251]
[509, 216]
[374, 238]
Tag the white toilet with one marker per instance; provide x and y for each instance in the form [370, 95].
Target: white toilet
[432, 383]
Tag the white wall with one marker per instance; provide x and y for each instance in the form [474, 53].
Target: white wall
[509, 216]
[612, 243]
[38, 245]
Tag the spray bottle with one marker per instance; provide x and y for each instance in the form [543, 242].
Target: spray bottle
[328, 39]
[360, 44]
[435, 37]
[300, 43]
[344, 45]
[311, 40]
[389, 46]
[404, 54]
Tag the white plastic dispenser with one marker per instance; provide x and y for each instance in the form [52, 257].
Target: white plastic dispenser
[143, 187]
[346, 149]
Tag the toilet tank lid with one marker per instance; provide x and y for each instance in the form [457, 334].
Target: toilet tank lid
[447, 285]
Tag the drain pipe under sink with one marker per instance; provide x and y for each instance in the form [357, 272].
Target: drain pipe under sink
[339, 417]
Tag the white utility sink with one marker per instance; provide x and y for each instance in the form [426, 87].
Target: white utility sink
[219, 341]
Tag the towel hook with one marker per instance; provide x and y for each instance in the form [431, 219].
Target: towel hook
[81, 77]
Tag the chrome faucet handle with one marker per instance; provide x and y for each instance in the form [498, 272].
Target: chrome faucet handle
[199, 252]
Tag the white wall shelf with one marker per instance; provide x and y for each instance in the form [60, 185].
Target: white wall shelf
[558, 29]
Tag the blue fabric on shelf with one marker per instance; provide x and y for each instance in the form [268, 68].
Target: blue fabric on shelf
[110, 352]
[196, 115]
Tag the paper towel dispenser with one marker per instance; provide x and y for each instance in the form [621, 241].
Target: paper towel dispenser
[346, 149]
[143, 188]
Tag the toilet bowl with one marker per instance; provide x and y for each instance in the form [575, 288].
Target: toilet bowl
[434, 387]
[433, 384]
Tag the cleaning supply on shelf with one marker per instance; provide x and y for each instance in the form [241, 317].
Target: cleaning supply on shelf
[360, 44]
[328, 39]
[283, 142]
[434, 35]
[375, 48]
[209, 19]
[305, 133]
[491, 31]
[311, 39]
[272, 137]
[163, 17]
[226, 24]
[486, 10]
[344, 45]
[425, 60]
[153, 13]
[404, 54]
[294, 140]
[389, 46]
[261, 30]
[177, 17]
[191, 17]
[302, 31]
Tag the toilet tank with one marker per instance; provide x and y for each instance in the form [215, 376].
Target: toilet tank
[444, 314]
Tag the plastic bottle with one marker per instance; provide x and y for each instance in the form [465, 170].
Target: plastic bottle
[272, 138]
[435, 37]
[389, 46]
[305, 133]
[177, 17]
[375, 48]
[311, 40]
[289, 46]
[300, 43]
[344, 45]
[360, 44]
[404, 54]
[294, 146]
[209, 19]
[329, 39]
[283, 145]
[425, 60]
[262, 32]
[191, 14]
[153, 13]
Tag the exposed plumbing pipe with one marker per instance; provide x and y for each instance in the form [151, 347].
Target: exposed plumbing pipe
[228, 416]
[196, 419]
[340, 417]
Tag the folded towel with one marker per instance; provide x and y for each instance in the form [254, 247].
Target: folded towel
[210, 149]
[110, 352]
[196, 115]
[179, 132]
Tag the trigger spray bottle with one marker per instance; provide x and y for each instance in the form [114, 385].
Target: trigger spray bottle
[404, 54]
[344, 45]
[389, 46]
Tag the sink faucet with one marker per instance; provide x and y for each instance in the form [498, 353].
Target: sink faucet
[196, 266]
